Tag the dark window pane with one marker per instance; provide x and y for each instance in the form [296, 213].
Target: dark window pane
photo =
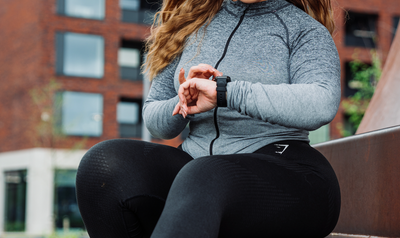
[81, 113]
[141, 12]
[80, 55]
[130, 130]
[130, 73]
[15, 200]
[130, 59]
[361, 30]
[61, 7]
[129, 117]
[395, 25]
[65, 204]
[92, 9]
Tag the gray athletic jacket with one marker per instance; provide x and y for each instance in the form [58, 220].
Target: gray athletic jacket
[285, 75]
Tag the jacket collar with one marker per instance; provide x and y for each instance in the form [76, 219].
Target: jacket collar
[269, 6]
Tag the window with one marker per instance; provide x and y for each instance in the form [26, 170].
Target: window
[92, 9]
[139, 11]
[80, 55]
[361, 30]
[395, 24]
[129, 117]
[320, 135]
[130, 59]
[65, 205]
[81, 113]
[15, 200]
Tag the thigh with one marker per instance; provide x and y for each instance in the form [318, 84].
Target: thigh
[122, 186]
[281, 195]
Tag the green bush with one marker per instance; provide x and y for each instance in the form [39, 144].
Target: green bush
[365, 79]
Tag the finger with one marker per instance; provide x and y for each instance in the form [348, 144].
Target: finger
[182, 76]
[192, 110]
[181, 94]
[216, 74]
[211, 70]
[184, 113]
[176, 109]
[193, 90]
[197, 71]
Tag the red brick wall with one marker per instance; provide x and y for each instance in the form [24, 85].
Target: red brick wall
[27, 60]
[21, 58]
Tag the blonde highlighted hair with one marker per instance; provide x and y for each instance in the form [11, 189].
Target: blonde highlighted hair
[178, 19]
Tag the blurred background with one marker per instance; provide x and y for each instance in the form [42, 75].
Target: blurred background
[70, 78]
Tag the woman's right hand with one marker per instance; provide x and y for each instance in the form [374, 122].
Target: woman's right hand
[196, 96]
[201, 71]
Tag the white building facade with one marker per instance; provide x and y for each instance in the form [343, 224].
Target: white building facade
[38, 192]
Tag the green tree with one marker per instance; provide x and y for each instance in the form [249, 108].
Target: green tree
[47, 131]
[365, 79]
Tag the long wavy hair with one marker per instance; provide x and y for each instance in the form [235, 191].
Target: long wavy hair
[178, 19]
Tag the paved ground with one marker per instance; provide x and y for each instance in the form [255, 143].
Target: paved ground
[336, 235]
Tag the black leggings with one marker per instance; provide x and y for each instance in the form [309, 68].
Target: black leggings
[128, 188]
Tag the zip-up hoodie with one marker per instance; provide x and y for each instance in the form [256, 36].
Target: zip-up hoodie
[285, 75]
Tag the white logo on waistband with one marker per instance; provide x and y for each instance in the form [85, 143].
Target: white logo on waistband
[279, 147]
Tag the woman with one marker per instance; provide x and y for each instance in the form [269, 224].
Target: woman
[246, 168]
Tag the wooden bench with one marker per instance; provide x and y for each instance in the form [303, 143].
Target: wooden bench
[368, 168]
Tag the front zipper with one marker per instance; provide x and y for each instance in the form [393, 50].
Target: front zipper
[216, 66]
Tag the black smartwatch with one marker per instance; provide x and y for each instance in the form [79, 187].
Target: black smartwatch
[222, 81]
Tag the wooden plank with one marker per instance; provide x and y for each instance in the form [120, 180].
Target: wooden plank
[368, 170]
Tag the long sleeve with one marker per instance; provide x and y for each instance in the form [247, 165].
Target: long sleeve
[161, 101]
[312, 97]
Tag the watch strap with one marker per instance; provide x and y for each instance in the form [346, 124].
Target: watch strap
[222, 82]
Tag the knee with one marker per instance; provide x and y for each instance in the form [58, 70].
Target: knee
[100, 158]
[104, 161]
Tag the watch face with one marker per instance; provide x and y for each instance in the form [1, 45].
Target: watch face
[227, 78]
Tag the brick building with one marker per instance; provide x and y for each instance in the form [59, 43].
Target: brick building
[91, 48]
[88, 53]
[70, 78]
[362, 26]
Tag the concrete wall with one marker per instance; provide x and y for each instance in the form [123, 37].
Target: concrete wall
[40, 165]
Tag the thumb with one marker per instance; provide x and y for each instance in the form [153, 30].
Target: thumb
[182, 78]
